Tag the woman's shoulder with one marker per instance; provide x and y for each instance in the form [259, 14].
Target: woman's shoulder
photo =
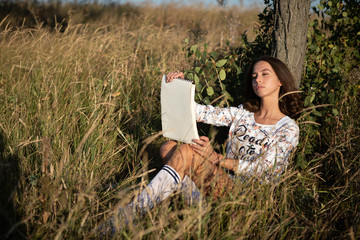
[287, 123]
[242, 108]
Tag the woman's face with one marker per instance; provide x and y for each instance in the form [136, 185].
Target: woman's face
[265, 83]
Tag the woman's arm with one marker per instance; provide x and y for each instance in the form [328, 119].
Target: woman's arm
[215, 115]
[228, 163]
[203, 147]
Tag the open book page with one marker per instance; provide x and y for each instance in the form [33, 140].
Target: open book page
[178, 110]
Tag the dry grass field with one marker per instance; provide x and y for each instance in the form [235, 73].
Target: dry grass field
[80, 123]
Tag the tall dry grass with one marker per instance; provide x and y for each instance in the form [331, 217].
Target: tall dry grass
[76, 105]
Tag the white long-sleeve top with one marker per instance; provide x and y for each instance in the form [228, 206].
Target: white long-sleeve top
[260, 149]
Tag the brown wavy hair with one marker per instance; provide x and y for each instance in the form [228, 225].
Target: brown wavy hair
[290, 103]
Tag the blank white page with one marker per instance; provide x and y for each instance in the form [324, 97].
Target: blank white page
[178, 110]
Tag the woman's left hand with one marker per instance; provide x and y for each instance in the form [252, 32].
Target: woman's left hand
[203, 147]
[172, 75]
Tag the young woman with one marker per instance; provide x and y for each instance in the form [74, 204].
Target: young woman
[262, 136]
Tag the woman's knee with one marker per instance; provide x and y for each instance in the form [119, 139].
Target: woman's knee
[181, 159]
[167, 149]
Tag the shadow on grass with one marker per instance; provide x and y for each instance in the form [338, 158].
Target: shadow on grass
[9, 176]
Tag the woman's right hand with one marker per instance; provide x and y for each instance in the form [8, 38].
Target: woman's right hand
[173, 75]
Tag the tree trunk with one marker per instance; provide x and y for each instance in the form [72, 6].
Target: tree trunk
[291, 26]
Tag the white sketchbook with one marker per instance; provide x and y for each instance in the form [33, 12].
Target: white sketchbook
[178, 110]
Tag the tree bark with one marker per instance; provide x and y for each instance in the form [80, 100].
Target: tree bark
[290, 32]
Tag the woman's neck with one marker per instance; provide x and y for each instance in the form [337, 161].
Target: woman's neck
[269, 113]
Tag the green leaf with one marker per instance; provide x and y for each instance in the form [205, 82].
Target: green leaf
[222, 74]
[335, 112]
[221, 62]
[193, 48]
[344, 14]
[210, 91]
[312, 97]
[197, 69]
[186, 40]
[206, 101]
[196, 79]
[213, 54]
[317, 113]
[190, 76]
[198, 54]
